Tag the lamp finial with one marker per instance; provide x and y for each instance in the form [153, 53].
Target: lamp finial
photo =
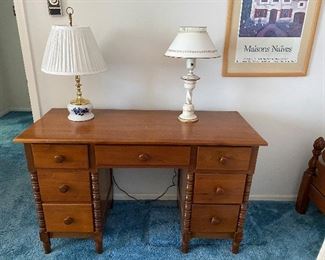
[70, 12]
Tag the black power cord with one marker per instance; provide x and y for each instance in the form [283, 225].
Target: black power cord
[155, 199]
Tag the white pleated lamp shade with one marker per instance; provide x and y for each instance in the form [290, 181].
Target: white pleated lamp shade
[192, 42]
[72, 50]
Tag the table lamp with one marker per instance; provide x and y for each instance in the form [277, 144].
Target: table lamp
[73, 51]
[191, 43]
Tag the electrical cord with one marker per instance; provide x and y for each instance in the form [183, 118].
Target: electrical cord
[155, 199]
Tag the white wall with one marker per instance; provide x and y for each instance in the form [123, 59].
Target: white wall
[13, 84]
[4, 100]
[3, 97]
[133, 35]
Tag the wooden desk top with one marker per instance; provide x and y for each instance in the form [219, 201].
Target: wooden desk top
[143, 127]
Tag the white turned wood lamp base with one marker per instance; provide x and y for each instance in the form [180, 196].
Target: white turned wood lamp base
[191, 43]
[188, 115]
[188, 119]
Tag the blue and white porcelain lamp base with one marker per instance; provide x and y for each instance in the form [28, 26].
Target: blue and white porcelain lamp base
[79, 113]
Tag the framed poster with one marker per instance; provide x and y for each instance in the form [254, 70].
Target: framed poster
[269, 37]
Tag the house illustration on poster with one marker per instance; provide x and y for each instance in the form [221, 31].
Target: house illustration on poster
[274, 11]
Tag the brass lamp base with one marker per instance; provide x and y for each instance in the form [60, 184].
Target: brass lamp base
[80, 108]
[79, 101]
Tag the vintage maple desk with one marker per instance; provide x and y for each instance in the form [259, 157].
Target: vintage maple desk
[71, 168]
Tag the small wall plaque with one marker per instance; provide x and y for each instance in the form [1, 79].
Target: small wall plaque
[54, 7]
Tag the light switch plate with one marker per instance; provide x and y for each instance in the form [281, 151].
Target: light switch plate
[55, 7]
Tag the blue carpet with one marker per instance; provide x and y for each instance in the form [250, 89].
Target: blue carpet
[143, 230]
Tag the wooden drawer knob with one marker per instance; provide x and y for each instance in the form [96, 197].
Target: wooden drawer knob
[215, 221]
[223, 160]
[68, 220]
[144, 157]
[59, 158]
[220, 191]
[64, 188]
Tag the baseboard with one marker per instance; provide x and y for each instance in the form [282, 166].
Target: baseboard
[273, 197]
[12, 109]
[20, 109]
[3, 112]
[141, 196]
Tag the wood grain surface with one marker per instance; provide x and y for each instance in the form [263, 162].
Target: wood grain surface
[60, 156]
[223, 158]
[214, 218]
[219, 188]
[68, 217]
[143, 127]
[64, 185]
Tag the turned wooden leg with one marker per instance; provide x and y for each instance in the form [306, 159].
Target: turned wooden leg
[303, 195]
[186, 230]
[236, 242]
[185, 243]
[178, 188]
[44, 237]
[98, 236]
[187, 203]
[99, 242]
[111, 199]
[238, 236]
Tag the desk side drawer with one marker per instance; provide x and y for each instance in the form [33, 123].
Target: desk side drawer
[223, 158]
[64, 186]
[142, 155]
[68, 217]
[219, 188]
[60, 156]
[214, 218]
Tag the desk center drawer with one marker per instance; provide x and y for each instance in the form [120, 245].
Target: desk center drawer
[114, 155]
